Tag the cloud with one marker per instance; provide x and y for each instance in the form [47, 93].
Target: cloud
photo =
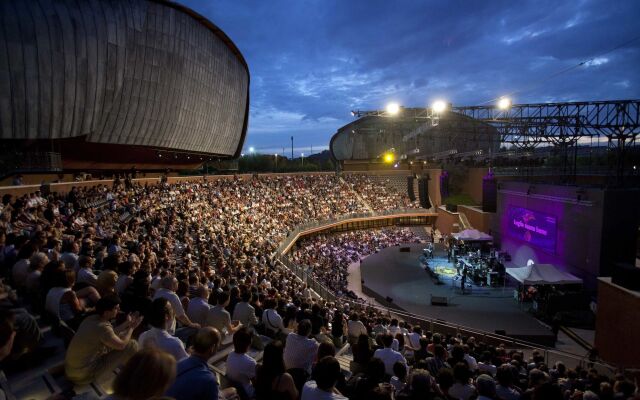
[313, 62]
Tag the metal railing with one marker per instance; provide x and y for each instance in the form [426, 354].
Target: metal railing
[292, 236]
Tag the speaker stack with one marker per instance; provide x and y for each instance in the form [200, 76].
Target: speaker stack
[410, 192]
[423, 192]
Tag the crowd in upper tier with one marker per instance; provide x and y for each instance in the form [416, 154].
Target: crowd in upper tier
[380, 192]
[154, 279]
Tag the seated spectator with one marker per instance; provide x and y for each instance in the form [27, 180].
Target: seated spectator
[462, 388]
[36, 266]
[199, 307]
[20, 269]
[438, 361]
[241, 368]
[389, 356]
[421, 386]
[326, 374]
[126, 270]
[85, 272]
[272, 321]
[244, 312]
[422, 353]
[219, 318]
[300, 350]
[485, 365]
[64, 303]
[362, 354]
[194, 378]
[146, 375]
[505, 375]
[106, 283]
[362, 384]
[7, 334]
[355, 328]
[272, 382]
[399, 378]
[97, 347]
[159, 318]
[486, 387]
[168, 291]
[137, 296]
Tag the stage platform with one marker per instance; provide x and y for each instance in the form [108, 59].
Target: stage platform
[399, 276]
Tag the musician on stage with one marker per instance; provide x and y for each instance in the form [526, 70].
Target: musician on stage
[463, 281]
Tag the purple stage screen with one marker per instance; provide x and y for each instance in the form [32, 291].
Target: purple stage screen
[533, 227]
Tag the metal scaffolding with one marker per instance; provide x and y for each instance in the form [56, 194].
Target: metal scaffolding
[564, 126]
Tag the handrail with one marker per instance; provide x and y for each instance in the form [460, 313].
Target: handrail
[293, 235]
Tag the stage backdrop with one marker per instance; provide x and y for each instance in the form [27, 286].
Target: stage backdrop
[547, 224]
[533, 227]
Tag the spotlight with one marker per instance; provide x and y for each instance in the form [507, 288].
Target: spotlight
[504, 103]
[393, 108]
[251, 149]
[389, 157]
[439, 106]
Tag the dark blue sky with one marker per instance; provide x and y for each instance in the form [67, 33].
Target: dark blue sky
[311, 62]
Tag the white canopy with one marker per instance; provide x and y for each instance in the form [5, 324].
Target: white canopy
[471, 235]
[542, 274]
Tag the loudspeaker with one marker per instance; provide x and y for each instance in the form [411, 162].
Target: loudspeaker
[405, 249]
[423, 192]
[389, 299]
[501, 332]
[489, 194]
[626, 275]
[439, 301]
[410, 192]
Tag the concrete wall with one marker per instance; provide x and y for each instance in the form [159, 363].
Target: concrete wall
[579, 227]
[617, 324]
[473, 184]
[478, 219]
[136, 72]
[445, 221]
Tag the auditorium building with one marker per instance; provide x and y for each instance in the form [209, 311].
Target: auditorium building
[144, 84]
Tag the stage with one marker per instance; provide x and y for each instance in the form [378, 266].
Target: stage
[399, 276]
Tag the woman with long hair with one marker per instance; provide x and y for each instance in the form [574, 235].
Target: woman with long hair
[272, 382]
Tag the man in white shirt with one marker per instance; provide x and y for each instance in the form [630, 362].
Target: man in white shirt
[241, 368]
[168, 291]
[160, 316]
[326, 376]
[471, 361]
[300, 351]
[199, 306]
[388, 355]
[355, 328]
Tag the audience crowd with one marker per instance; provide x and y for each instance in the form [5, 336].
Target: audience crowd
[155, 279]
[381, 193]
[328, 256]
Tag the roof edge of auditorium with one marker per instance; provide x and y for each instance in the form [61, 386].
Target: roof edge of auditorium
[234, 49]
[209, 25]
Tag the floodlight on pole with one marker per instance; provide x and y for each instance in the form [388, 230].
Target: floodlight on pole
[251, 150]
[439, 106]
[393, 108]
[504, 103]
